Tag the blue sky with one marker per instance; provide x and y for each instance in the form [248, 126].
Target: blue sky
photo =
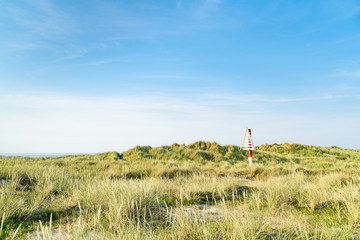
[92, 76]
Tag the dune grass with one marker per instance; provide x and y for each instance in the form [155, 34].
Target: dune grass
[199, 191]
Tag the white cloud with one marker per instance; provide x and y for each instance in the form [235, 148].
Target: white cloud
[63, 123]
[73, 124]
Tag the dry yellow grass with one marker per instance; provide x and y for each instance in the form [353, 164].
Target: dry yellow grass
[292, 192]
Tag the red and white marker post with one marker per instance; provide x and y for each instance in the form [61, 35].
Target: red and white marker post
[248, 144]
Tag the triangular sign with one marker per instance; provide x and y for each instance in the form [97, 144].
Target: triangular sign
[247, 142]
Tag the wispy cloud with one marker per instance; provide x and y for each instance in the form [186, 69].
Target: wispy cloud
[18, 46]
[72, 54]
[100, 62]
[349, 8]
[134, 103]
[66, 123]
[167, 76]
[178, 3]
[35, 25]
[40, 17]
[103, 123]
[207, 6]
[63, 63]
[254, 98]
[354, 73]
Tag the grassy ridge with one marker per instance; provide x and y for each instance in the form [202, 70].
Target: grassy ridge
[292, 191]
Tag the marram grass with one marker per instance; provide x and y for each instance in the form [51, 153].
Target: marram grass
[199, 191]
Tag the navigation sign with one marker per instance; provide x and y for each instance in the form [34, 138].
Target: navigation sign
[247, 142]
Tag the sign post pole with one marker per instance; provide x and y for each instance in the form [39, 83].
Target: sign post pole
[247, 143]
[250, 151]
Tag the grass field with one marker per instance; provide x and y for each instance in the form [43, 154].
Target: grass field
[199, 191]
